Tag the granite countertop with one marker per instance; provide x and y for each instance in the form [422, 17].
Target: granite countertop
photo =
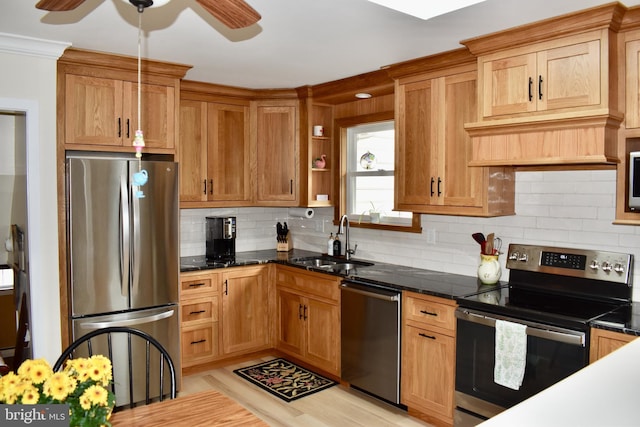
[625, 320]
[430, 282]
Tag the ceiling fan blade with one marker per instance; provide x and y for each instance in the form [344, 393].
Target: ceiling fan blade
[232, 13]
[58, 5]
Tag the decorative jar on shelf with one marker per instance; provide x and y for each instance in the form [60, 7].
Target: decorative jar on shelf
[489, 270]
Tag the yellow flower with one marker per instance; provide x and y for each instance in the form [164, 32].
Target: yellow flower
[37, 371]
[8, 388]
[97, 395]
[85, 403]
[59, 386]
[101, 369]
[30, 395]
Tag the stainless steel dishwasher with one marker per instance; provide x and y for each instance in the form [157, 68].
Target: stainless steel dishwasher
[370, 334]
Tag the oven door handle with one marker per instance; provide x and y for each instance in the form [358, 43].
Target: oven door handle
[538, 330]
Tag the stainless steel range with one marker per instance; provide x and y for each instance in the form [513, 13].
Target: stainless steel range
[552, 296]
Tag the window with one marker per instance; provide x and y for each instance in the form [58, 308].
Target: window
[369, 183]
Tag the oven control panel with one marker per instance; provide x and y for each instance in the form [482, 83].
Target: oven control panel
[584, 263]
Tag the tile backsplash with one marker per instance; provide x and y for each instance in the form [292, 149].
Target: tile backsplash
[564, 208]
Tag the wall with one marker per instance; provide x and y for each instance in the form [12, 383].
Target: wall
[566, 209]
[7, 179]
[28, 84]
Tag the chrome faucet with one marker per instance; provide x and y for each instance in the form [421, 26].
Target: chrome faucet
[343, 228]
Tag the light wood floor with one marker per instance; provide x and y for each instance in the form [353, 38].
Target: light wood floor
[335, 406]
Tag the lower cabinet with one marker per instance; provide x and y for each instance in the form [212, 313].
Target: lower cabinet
[604, 342]
[199, 314]
[308, 317]
[428, 357]
[223, 313]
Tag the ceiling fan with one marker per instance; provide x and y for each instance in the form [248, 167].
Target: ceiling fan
[232, 13]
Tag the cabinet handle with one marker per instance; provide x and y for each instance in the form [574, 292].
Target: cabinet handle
[195, 285]
[291, 186]
[428, 313]
[226, 287]
[540, 87]
[198, 342]
[205, 187]
[300, 311]
[530, 89]
[431, 337]
[439, 182]
[211, 186]
[127, 128]
[198, 312]
[432, 181]
[305, 312]
[119, 127]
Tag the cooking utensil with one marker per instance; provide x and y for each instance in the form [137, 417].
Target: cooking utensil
[488, 247]
[497, 245]
[478, 237]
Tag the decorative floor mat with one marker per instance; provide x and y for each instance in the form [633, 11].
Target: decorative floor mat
[284, 379]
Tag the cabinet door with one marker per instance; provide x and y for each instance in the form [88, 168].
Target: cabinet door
[290, 325]
[604, 342]
[415, 147]
[428, 365]
[508, 85]
[461, 185]
[228, 153]
[322, 334]
[157, 114]
[245, 314]
[570, 76]
[193, 151]
[632, 81]
[276, 136]
[93, 111]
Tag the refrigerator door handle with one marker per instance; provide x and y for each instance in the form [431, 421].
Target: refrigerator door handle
[137, 247]
[127, 322]
[126, 235]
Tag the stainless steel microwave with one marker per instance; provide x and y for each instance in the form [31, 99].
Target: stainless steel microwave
[634, 180]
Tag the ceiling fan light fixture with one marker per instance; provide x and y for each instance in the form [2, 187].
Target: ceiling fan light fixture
[425, 9]
[141, 5]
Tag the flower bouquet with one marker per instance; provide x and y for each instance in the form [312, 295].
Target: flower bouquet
[82, 385]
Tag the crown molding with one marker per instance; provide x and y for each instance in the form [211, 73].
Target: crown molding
[21, 45]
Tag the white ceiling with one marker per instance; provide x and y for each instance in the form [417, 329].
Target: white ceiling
[296, 43]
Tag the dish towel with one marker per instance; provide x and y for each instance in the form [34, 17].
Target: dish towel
[511, 354]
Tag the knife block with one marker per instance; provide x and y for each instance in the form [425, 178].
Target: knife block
[284, 246]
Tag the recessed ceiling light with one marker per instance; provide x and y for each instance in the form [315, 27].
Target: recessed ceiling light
[363, 95]
[425, 9]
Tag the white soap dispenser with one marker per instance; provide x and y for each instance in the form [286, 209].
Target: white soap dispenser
[330, 245]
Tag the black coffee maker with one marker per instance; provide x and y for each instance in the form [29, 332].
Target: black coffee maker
[221, 239]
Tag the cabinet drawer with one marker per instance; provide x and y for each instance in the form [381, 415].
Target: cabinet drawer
[197, 285]
[428, 311]
[200, 310]
[308, 283]
[199, 343]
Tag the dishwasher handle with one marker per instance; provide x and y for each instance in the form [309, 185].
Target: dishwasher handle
[371, 292]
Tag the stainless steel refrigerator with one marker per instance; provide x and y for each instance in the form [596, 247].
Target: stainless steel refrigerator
[124, 255]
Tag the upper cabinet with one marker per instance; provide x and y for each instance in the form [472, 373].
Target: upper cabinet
[99, 97]
[547, 91]
[215, 150]
[432, 148]
[275, 128]
[566, 76]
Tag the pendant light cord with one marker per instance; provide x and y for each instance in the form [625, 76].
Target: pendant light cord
[139, 78]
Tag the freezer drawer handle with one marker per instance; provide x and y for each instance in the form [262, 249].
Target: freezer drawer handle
[427, 336]
[127, 322]
[428, 313]
[198, 342]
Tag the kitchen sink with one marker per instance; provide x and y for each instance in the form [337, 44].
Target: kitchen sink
[337, 265]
